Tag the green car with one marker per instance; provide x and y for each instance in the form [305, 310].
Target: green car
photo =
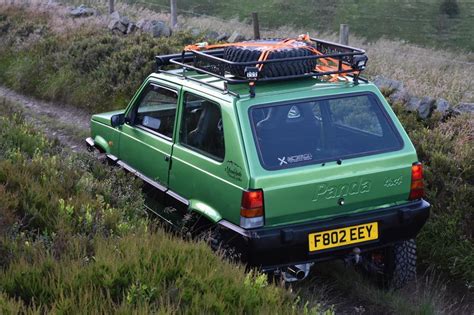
[283, 160]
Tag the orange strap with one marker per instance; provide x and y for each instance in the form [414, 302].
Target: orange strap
[327, 64]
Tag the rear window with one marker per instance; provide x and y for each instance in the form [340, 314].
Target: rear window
[316, 131]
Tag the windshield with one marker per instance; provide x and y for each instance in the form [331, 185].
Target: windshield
[316, 131]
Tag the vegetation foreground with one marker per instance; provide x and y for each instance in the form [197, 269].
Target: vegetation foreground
[74, 239]
[73, 236]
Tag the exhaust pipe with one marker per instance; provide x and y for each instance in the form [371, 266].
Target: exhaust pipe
[296, 272]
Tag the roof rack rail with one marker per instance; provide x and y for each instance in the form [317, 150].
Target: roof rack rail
[346, 60]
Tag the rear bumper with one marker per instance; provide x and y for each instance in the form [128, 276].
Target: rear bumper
[271, 248]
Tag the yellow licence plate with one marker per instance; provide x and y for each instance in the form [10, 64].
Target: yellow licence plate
[343, 236]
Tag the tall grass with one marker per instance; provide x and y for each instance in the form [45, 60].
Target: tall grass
[420, 22]
[74, 239]
[87, 68]
[447, 152]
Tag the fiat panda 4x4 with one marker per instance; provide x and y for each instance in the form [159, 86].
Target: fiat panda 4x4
[283, 151]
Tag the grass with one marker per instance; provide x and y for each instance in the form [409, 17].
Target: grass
[87, 68]
[438, 23]
[429, 295]
[425, 71]
[445, 148]
[105, 69]
[142, 272]
[74, 239]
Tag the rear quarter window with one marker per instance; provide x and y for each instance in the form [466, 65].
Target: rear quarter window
[327, 129]
[355, 112]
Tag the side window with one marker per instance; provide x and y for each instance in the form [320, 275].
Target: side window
[156, 110]
[201, 126]
[356, 112]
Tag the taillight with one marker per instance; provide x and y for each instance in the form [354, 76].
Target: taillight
[417, 189]
[251, 209]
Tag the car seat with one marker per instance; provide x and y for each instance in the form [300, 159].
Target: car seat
[207, 136]
[288, 131]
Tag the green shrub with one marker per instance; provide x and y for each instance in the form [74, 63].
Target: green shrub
[50, 190]
[73, 240]
[88, 68]
[141, 271]
[446, 150]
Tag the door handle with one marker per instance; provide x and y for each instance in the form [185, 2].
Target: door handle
[167, 158]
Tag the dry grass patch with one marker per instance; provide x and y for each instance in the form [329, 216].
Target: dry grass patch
[424, 71]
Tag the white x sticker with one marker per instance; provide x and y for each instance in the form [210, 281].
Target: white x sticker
[282, 160]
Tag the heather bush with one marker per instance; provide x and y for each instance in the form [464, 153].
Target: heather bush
[74, 239]
[50, 190]
[141, 272]
[88, 68]
[447, 152]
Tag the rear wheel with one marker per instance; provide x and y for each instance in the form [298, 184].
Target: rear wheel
[394, 266]
[401, 264]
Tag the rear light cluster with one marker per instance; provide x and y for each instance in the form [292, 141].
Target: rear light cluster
[251, 209]
[417, 190]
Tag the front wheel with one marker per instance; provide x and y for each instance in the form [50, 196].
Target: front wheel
[393, 266]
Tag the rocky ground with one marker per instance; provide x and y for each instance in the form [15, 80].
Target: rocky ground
[122, 24]
[424, 106]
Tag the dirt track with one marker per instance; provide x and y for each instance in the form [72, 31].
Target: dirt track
[57, 120]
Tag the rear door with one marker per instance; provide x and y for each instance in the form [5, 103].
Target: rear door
[146, 140]
[329, 156]
[208, 165]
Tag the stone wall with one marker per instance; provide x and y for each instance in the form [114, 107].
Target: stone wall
[425, 106]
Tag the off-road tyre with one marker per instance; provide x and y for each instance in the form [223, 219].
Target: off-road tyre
[252, 53]
[400, 264]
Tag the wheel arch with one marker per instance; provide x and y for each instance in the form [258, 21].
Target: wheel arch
[101, 144]
[204, 210]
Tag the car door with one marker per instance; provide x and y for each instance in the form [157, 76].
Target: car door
[146, 140]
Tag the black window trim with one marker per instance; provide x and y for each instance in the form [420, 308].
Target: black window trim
[194, 149]
[135, 106]
[319, 98]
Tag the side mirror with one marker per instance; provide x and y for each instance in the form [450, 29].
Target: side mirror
[117, 120]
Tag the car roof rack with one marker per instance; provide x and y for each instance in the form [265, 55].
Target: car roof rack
[345, 60]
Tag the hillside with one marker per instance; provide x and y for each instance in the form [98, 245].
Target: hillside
[424, 71]
[84, 231]
[435, 23]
